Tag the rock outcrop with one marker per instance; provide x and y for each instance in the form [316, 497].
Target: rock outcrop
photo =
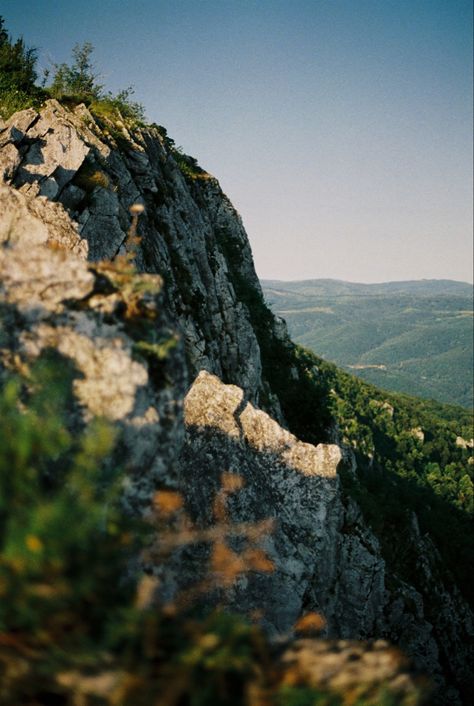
[135, 345]
[70, 158]
[52, 300]
[325, 558]
[318, 565]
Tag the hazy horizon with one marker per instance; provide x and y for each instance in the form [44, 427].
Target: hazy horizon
[342, 132]
[391, 281]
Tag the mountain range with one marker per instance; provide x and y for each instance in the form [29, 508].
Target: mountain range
[414, 337]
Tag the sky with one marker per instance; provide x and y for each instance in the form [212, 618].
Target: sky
[340, 129]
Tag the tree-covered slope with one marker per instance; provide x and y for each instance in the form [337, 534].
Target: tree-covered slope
[413, 337]
[413, 456]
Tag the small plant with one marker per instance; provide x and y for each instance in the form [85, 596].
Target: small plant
[89, 176]
[188, 165]
[119, 107]
[133, 239]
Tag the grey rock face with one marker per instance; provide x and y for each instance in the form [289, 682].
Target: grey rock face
[317, 565]
[227, 434]
[71, 159]
[296, 484]
[52, 299]
[325, 558]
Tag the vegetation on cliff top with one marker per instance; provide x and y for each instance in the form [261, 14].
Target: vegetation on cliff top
[74, 83]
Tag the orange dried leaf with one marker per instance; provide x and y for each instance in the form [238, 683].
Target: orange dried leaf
[226, 563]
[219, 507]
[146, 591]
[167, 502]
[34, 543]
[231, 482]
[311, 622]
[257, 560]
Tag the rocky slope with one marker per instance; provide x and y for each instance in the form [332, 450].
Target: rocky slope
[69, 181]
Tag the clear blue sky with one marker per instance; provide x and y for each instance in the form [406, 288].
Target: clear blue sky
[340, 129]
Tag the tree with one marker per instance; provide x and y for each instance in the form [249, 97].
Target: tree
[80, 78]
[17, 64]
[80, 82]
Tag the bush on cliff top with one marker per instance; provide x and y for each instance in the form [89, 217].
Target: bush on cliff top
[18, 75]
[77, 82]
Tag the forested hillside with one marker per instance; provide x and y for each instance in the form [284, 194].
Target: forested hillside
[413, 337]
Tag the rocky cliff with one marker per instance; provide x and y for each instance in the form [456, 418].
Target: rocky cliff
[69, 180]
[97, 171]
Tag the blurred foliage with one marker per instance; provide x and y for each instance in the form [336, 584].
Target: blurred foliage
[306, 696]
[63, 538]
[77, 624]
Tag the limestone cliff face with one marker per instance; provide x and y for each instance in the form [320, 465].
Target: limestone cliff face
[71, 159]
[326, 559]
[297, 485]
[51, 300]
[68, 183]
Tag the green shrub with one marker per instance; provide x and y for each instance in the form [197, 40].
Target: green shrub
[78, 79]
[119, 107]
[79, 82]
[17, 74]
[60, 553]
[89, 176]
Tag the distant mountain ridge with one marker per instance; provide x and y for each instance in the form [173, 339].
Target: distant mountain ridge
[425, 287]
[414, 336]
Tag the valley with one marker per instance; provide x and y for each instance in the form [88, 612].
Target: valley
[412, 337]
